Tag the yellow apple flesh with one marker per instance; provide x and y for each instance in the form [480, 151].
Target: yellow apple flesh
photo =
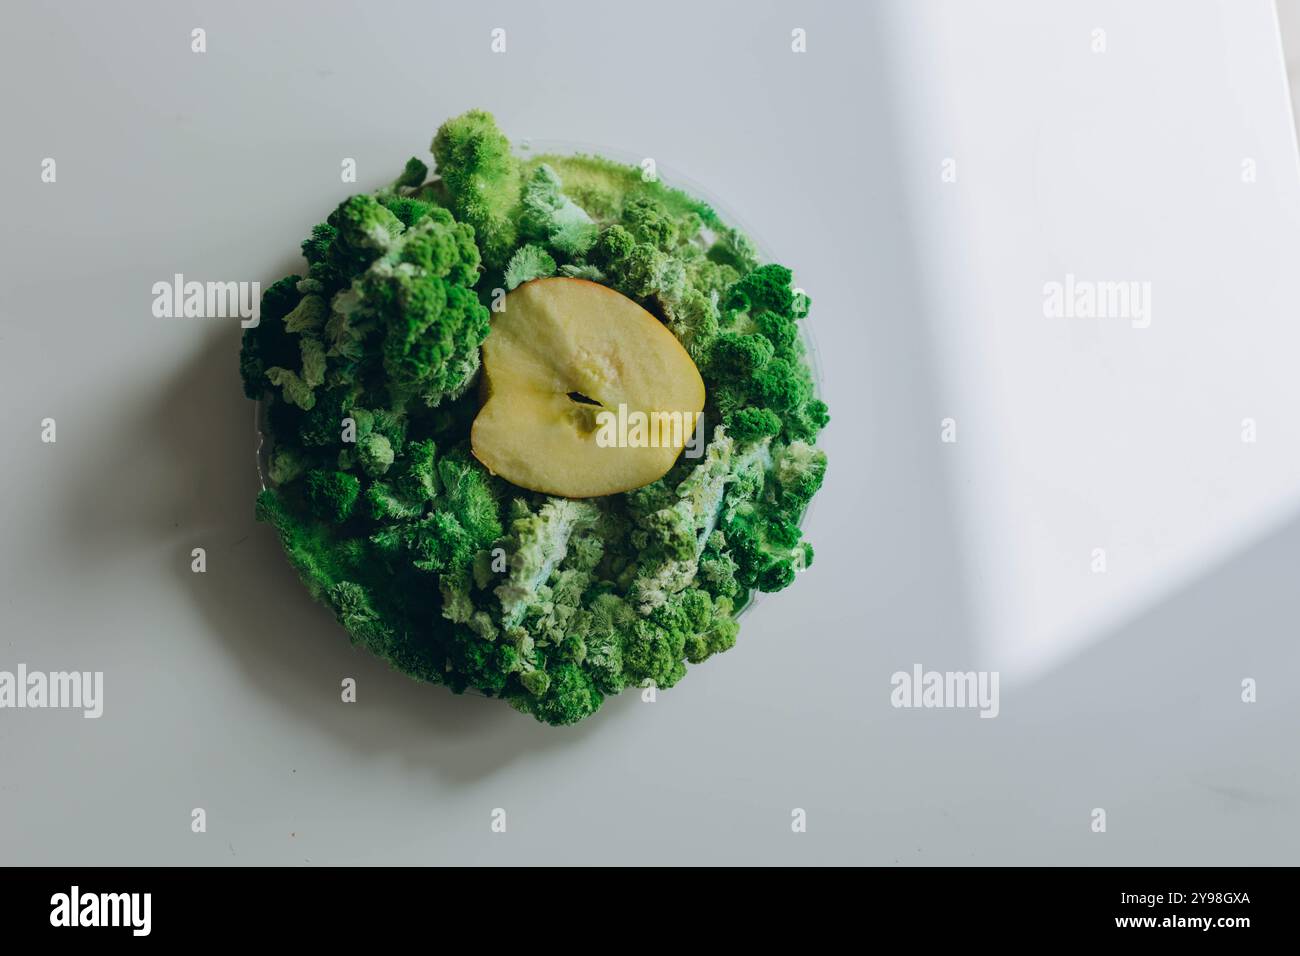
[561, 359]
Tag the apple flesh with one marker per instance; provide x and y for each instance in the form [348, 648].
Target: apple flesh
[561, 359]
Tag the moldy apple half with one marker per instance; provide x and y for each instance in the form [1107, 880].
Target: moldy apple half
[561, 349]
[437, 387]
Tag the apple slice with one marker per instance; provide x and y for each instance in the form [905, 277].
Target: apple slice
[567, 365]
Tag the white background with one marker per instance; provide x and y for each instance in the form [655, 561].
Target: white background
[1119, 691]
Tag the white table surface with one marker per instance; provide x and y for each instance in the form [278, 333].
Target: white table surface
[1120, 691]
